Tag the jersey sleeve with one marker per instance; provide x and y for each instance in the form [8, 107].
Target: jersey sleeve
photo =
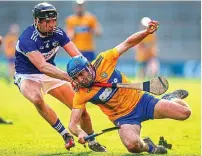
[26, 45]
[111, 55]
[62, 37]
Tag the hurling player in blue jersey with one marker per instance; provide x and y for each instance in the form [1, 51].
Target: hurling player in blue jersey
[36, 49]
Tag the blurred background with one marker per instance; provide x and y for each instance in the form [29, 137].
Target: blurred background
[177, 54]
[178, 36]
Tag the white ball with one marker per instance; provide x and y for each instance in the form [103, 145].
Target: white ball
[145, 21]
[79, 1]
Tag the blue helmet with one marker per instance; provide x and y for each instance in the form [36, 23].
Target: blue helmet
[76, 65]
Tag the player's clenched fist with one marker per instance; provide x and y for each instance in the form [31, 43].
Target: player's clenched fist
[81, 137]
[152, 26]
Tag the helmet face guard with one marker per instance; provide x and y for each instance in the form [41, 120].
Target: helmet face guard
[45, 11]
[79, 65]
[88, 77]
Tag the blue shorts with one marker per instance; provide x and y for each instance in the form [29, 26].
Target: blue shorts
[144, 110]
[90, 55]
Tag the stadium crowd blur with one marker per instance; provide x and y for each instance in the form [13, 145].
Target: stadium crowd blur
[2, 120]
[178, 36]
[9, 44]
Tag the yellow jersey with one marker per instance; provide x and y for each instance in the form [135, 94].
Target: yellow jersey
[9, 42]
[145, 50]
[83, 27]
[114, 102]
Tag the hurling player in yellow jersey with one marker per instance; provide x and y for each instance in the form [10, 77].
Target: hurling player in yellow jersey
[126, 108]
[81, 28]
[3, 121]
[146, 56]
[9, 44]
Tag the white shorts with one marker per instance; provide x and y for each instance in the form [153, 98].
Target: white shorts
[47, 83]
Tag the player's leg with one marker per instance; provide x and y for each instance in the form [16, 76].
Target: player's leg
[32, 91]
[65, 94]
[172, 106]
[152, 68]
[130, 137]
[171, 109]
[11, 67]
[131, 124]
[140, 70]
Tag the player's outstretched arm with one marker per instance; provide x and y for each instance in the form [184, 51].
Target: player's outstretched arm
[39, 61]
[137, 37]
[74, 125]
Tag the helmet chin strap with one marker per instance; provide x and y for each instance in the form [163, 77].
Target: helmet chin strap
[37, 21]
[43, 34]
[93, 76]
[92, 72]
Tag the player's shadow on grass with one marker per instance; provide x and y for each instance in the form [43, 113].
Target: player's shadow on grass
[91, 153]
[133, 154]
[68, 154]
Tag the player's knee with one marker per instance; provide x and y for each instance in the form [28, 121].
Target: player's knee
[186, 113]
[38, 101]
[185, 110]
[134, 147]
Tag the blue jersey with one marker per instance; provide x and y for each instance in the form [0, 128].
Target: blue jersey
[30, 40]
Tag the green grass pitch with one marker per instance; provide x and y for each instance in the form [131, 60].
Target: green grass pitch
[30, 135]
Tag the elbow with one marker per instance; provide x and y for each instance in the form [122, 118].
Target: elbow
[42, 68]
